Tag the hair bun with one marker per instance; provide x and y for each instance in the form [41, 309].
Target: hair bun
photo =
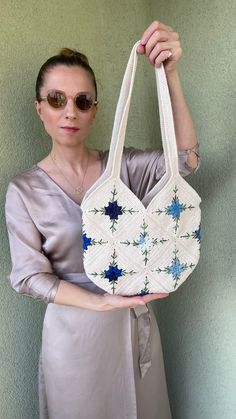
[73, 53]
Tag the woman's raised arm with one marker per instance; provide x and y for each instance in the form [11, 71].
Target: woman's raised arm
[162, 45]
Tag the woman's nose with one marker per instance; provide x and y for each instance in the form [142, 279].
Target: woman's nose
[70, 109]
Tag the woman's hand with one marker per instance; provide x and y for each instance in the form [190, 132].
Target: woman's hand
[73, 295]
[110, 302]
[161, 44]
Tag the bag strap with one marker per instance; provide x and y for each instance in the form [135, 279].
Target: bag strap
[121, 117]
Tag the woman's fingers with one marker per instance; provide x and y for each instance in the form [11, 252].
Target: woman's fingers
[118, 301]
[151, 297]
[112, 302]
[140, 49]
[161, 45]
[154, 27]
[158, 38]
[163, 56]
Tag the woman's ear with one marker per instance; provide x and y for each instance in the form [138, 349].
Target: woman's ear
[38, 109]
[95, 111]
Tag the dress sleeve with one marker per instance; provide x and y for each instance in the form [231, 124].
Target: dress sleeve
[146, 167]
[31, 272]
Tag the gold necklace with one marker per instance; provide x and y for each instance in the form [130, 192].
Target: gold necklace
[78, 189]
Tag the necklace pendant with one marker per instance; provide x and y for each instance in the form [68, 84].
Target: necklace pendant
[79, 190]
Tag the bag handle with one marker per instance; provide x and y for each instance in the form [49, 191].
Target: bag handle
[121, 118]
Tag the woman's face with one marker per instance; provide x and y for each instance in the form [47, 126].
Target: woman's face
[67, 126]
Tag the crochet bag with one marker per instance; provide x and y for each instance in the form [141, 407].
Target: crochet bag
[128, 248]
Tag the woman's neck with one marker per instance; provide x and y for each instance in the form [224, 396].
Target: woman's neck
[70, 157]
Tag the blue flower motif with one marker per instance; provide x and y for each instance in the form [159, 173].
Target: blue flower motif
[176, 268]
[175, 209]
[144, 242]
[197, 234]
[143, 292]
[87, 241]
[141, 239]
[113, 210]
[113, 273]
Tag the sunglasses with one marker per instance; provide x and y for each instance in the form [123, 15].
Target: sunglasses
[58, 99]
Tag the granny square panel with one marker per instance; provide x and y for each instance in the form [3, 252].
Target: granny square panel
[131, 249]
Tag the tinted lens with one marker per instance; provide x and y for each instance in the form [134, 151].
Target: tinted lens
[83, 101]
[56, 98]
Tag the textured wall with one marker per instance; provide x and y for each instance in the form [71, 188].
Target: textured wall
[198, 322]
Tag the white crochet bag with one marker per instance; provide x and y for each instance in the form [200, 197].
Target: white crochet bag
[131, 249]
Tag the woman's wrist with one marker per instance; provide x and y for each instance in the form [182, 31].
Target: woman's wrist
[98, 302]
[73, 295]
[173, 79]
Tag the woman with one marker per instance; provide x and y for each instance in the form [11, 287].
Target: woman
[101, 355]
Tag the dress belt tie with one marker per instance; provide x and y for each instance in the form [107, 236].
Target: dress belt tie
[143, 317]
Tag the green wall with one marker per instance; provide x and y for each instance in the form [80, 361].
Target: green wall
[197, 322]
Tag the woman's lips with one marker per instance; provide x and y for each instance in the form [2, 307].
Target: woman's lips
[70, 129]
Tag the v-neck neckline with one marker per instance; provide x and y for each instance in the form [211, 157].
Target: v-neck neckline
[103, 167]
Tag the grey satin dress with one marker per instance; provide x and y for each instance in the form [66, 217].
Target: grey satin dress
[93, 365]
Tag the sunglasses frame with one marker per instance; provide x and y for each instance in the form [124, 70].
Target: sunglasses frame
[45, 98]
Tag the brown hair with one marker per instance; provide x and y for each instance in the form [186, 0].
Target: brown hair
[68, 57]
